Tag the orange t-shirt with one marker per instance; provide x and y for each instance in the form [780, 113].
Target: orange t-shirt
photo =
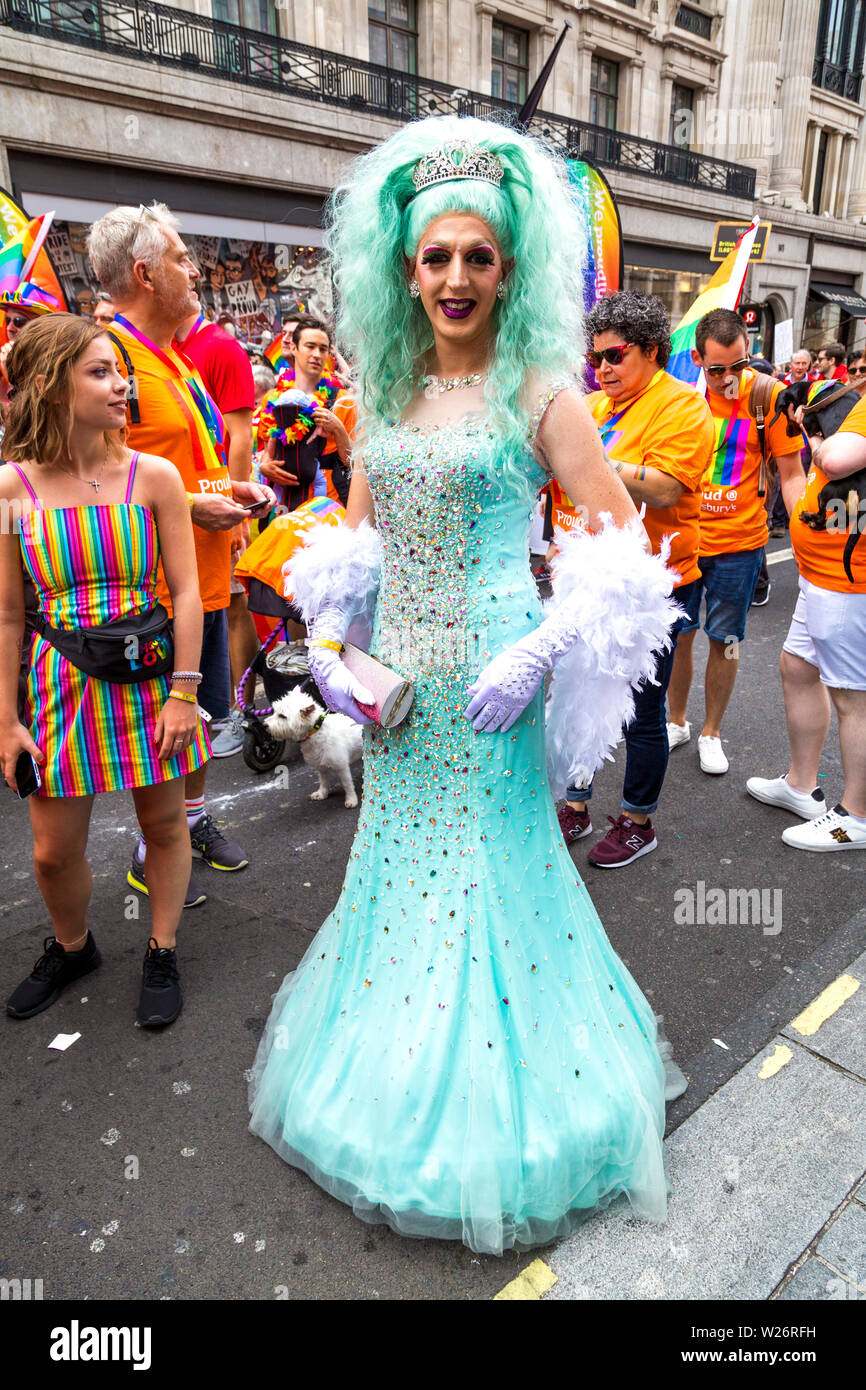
[180, 422]
[819, 553]
[668, 427]
[733, 516]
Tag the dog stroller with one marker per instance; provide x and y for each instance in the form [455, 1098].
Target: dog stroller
[281, 661]
[282, 665]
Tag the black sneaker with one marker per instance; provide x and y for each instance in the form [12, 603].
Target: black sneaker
[160, 1000]
[195, 894]
[213, 847]
[762, 595]
[51, 974]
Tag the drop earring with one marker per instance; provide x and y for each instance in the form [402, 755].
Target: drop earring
[501, 290]
[414, 289]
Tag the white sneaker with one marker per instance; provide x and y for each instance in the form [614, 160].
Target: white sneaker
[678, 733]
[835, 830]
[711, 755]
[776, 791]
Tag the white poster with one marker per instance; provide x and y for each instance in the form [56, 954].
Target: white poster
[242, 297]
[783, 342]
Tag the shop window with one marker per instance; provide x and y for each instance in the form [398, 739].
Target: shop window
[682, 123]
[393, 28]
[675, 288]
[509, 68]
[603, 92]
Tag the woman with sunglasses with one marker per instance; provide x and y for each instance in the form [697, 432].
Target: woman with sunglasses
[461, 1054]
[658, 434]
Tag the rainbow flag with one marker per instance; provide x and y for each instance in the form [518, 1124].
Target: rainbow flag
[18, 254]
[603, 273]
[26, 272]
[723, 292]
[274, 354]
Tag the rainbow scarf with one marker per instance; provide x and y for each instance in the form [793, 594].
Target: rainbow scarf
[723, 292]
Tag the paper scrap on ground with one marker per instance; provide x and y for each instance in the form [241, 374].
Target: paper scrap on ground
[64, 1040]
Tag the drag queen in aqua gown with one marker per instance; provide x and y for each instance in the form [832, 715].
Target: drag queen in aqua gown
[461, 1053]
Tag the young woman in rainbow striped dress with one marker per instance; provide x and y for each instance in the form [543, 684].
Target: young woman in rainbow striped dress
[95, 520]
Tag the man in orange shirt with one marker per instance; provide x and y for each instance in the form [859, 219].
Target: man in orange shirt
[658, 435]
[733, 526]
[140, 259]
[824, 656]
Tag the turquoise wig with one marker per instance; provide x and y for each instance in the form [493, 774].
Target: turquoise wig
[376, 220]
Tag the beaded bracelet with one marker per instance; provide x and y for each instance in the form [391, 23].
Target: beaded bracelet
[186, 675]
[181, 695]
[326, 642]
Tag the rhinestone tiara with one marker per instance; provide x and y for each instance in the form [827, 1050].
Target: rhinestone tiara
[458, 160]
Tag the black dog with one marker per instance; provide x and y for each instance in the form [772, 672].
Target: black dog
[820, 423]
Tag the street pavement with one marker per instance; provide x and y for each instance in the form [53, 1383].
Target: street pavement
[129, 1170]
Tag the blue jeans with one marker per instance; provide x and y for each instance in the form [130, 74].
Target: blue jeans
[728, 583]
[215, 691]
[646, 737]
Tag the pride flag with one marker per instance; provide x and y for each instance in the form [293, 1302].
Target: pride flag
[26, 272]
[591, 191]
[723, 292]
[275, 355]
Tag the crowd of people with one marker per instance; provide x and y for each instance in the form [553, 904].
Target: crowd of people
[141, 443]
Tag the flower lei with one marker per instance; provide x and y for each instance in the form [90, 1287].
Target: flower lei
[324, 395]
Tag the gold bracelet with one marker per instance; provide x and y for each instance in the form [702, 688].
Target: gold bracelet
[190, 497]
[181, 695]
[326, 642]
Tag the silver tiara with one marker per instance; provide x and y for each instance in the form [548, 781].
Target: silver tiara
[457, 160]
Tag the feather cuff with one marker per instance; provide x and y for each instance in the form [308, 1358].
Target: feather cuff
[623, 612]
[337, 564]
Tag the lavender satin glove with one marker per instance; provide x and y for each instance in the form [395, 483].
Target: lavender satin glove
[506, 685]
[340, 690]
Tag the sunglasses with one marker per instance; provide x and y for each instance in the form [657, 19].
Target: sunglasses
[612, 355]
[857, 371]
[723, 371]
[14, 321]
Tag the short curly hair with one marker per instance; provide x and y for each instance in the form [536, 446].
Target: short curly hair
[640, 318]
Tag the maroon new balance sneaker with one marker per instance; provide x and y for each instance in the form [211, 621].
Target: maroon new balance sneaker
[624, 842]
[573, 824]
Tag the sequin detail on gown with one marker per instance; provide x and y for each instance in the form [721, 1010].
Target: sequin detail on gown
[461, 1053]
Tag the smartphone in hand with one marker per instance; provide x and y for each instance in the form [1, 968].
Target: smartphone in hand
[26, 775]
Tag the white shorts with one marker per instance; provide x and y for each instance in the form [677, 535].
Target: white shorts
[828, 630]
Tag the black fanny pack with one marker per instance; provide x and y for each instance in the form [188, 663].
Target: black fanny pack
[125, 651]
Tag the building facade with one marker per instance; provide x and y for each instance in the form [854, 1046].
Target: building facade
[244, 114]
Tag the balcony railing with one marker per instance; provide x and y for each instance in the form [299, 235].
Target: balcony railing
[841, 81]
[695, 21]
[150, 32]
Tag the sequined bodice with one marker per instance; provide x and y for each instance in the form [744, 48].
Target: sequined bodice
[456, 585]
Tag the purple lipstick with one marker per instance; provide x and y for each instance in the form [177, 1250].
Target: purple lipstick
[457, 308]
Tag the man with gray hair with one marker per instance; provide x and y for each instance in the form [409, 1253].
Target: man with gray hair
[141, 261]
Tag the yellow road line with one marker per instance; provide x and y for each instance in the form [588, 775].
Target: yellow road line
[780, 1058]
[535, 1280]
[822, 1008]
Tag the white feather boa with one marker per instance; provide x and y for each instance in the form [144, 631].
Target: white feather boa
[341, 564]
[623, 612]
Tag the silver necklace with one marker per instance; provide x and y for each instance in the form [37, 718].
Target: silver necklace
[435, 385]
[91, 482]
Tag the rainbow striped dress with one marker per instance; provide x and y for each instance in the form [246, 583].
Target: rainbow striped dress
[90, 565]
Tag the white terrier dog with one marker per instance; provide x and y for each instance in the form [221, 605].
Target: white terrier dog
[328, 741]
